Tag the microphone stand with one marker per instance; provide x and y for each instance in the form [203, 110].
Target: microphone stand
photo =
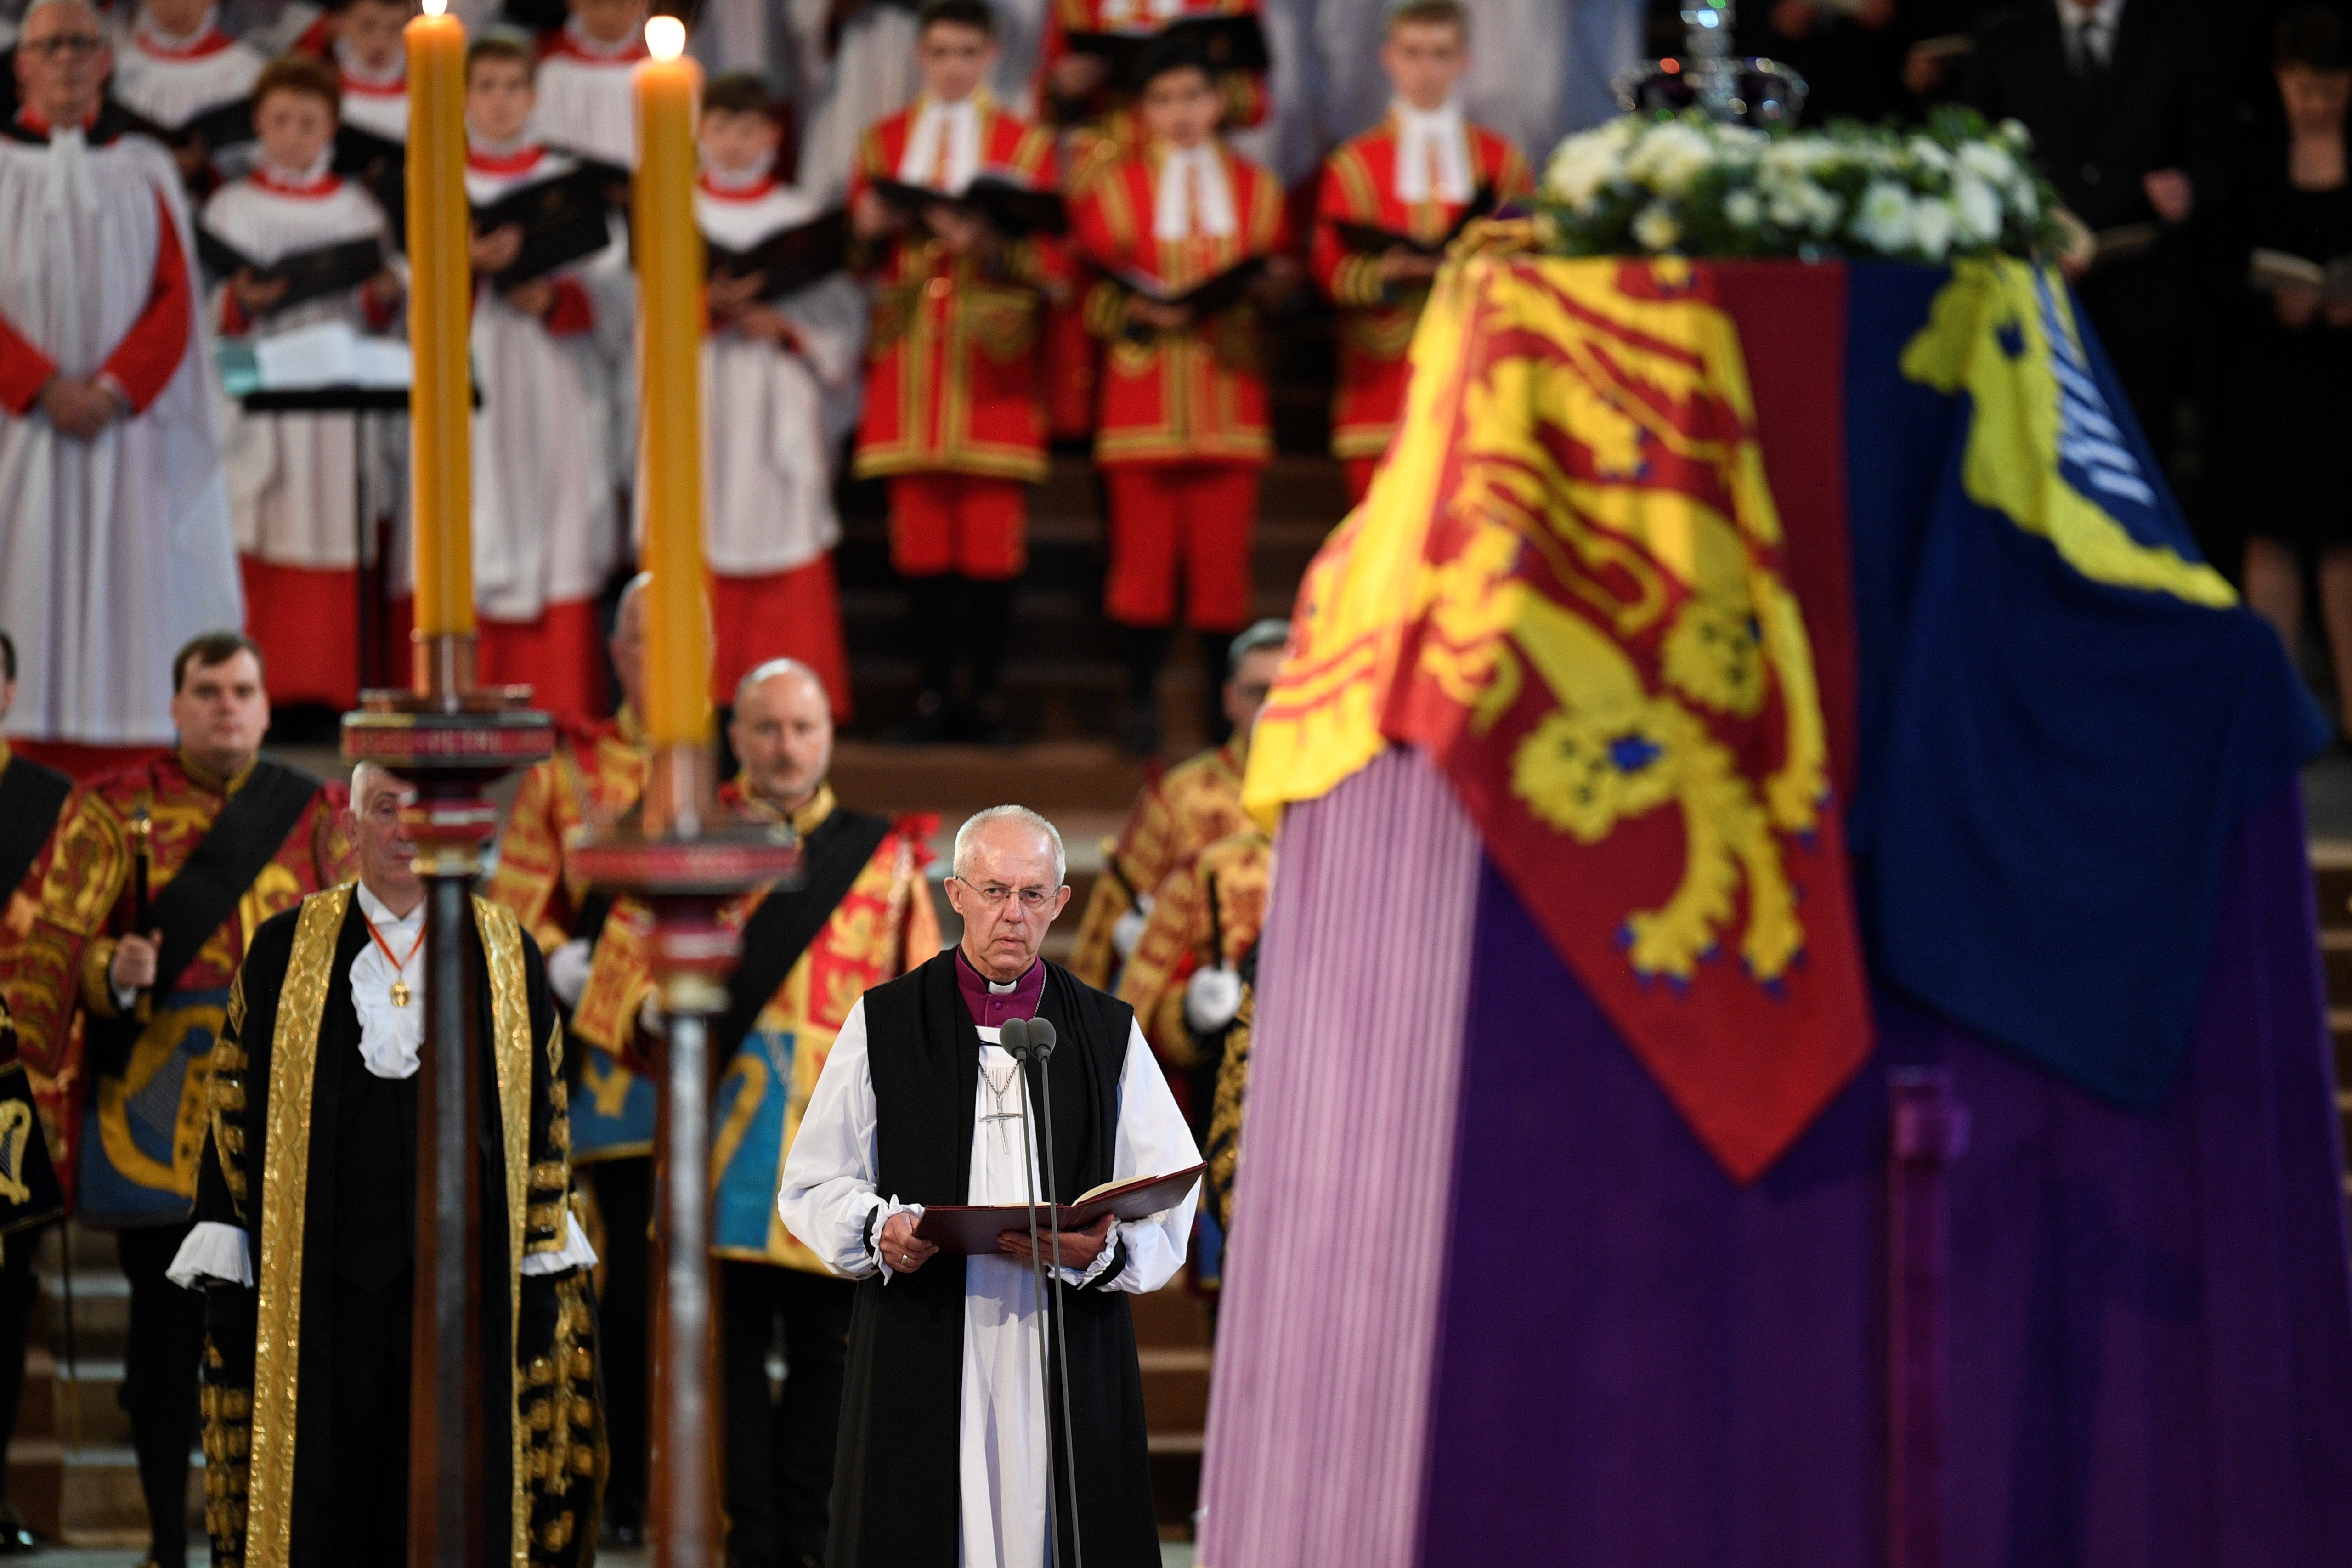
[1013, 1035]
[1041, 1045]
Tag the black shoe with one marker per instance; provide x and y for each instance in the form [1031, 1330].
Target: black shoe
[16, 1537]
[932, 723]
[1139, 729]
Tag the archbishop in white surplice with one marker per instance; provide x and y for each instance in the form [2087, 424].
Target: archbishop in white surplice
[946, 1391]
[116, 549]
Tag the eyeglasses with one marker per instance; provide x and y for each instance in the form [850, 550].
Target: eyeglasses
[994, 894]
[78, 45]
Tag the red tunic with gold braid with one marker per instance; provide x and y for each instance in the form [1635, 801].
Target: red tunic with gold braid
[1197, 395]
[1105, 128]
[1376, 321]
[953, 385]
[62, 966]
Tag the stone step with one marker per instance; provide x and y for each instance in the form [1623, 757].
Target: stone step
[2331, 874]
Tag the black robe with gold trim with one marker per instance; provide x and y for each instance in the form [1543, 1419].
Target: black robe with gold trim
[286, 1076]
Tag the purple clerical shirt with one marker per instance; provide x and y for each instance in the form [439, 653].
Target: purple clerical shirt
[991, 1008]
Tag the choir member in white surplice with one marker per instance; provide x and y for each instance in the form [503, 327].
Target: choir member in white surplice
[919, 1103]
[779, 379]
[176, 65]
[858, 61]
[115, 540]
[549, 356]
[366, 51]
[292, 477]
[586, 104]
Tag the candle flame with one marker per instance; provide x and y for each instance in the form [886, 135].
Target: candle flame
[434, 7]
[665, 37]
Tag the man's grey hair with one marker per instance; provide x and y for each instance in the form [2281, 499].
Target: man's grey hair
[364, 774]
[84, 5]
[979, 819]
[772, 668]
[1270, 633]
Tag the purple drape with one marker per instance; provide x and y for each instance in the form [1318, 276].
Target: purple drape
[1638, 1363]
[1319, 1408]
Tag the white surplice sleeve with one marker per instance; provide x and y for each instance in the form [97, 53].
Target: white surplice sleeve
[827, 1196]
[1152, 1141]
[830, 318]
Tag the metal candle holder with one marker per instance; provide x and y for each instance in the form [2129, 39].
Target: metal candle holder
[685, 860]
[450, 739]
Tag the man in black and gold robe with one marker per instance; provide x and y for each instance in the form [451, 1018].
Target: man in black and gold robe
[306, 1232]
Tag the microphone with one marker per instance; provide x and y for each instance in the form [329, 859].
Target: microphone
[1015, 1035]
[1039, 1038]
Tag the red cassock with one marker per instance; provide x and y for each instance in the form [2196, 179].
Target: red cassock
[1376, 320]
[1183, 430]
[1103, 130]
[1110, 113]
[954, 416]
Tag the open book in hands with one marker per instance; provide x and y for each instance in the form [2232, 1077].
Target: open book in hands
[965, 1229]
[2271, 271]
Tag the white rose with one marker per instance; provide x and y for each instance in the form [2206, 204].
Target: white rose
[1883, 218]
[1582, 167]
[1976, 211]
[1932, 222]
[1988, 162]
[1670, 157]
[1929, 154]
[1824, 209]
[1744, 208]
[1655, 228]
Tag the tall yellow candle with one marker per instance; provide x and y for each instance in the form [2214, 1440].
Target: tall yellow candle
[440, 399]
[668, 248]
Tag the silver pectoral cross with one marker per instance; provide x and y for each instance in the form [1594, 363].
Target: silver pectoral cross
[996, 1093]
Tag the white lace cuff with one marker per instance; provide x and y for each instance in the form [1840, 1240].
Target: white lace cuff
[575, 1253]
[1111, 1248]
[214, 1253]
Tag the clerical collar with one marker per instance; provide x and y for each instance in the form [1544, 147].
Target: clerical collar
[737, 184]
[204, 778]
[993, 1004]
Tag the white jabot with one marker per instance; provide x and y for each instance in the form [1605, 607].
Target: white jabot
[1193, 196]
[829, 1201]
[943, 147]
[1433, 153]
[389, 1035]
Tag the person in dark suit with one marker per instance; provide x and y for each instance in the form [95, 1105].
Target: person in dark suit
[2121, 97]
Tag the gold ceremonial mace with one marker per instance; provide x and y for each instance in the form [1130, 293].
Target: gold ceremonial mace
[680, 853]
[451, 738]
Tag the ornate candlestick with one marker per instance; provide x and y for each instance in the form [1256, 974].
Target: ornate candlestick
[451, 739]
[680, 854]
[684, 860]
